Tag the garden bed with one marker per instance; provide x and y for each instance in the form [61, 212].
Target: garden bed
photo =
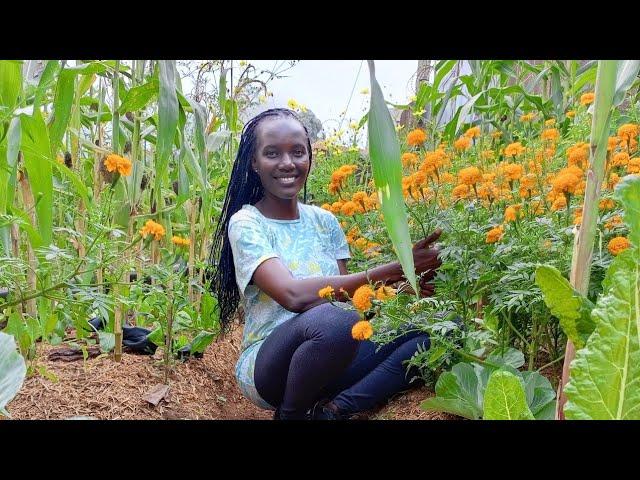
[201, 389]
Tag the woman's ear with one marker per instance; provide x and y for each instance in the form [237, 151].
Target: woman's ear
[254, 165]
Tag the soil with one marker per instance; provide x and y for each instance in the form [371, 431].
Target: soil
[205, 388]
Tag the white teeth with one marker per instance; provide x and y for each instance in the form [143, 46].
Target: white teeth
[287, 179]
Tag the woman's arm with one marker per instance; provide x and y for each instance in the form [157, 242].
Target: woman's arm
[299, 295]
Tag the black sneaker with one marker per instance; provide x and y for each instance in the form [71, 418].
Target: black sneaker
[321, 411]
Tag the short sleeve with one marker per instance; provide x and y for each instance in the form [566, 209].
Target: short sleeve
[250, 246]
[338, 239]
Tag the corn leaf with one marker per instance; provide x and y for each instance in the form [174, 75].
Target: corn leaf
[384, 150]
[36, 149]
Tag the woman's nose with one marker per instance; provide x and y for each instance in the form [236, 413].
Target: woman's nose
[286, 162]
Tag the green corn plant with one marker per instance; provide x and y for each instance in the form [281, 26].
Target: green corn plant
[612, 81]
[384, 150]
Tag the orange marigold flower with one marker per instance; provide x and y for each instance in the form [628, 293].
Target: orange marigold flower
[633, 166]
[513, 171]
[571, 114]
[184, 242]
[578, 155]
[613, 222]
[326, 292]
[152, 228]
[409, 159]
[550, 134]
[416, 137]
[385, 293]
[470, 175]
[617, 245]
[606, 204]
[111, 162]
[362, 330]
[620, 159]
[349, 208]
[462, 143]
[121, 164]
[612, 143]
[326, 206]
[487, 154]
[336, 206]
[496, 134]
[527, 117]
[362, 298]
[495, 234]
[514, 149]
[587, 98]
[460, 191]
[510, 214]
[550, 123]
[447, 177]
[565, 183]
[472, 132]
[628, 131]
[559, 203]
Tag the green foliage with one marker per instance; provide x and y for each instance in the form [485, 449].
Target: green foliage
[384, 151]
[572, 309]
[12, 371]
[504, 398]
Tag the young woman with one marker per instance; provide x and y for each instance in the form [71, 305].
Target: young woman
[274, 253]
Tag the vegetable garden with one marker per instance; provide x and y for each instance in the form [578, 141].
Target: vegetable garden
[113, 176]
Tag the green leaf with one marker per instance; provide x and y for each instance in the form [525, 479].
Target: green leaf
[627, 73]
[10, 85]
[464, 111]
[457, 393]
[510, 357]
[107, 341]
[627, 192]
[541, 397]
[384, 150]
[62, 107]
[156, 336]
[572, 309]
[504, 398]
[202, 341]
[167, 118]
[12, 371]
[139, 97]
[37, 153]
[79, 186]
[46, 79]
[605, 375]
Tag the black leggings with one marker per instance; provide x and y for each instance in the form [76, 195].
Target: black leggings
[313, 356]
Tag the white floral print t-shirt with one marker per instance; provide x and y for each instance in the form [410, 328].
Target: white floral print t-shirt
[309, 247]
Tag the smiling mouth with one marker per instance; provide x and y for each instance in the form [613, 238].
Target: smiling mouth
[286, 180]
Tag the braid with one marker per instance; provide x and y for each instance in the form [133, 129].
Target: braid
[244, 188]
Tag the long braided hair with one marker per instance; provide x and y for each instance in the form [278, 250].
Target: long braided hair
[244, 188]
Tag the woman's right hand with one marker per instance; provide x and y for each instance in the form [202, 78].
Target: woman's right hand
[425, 259]
[425, 256]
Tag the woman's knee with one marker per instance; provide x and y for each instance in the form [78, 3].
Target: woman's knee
[333, 324]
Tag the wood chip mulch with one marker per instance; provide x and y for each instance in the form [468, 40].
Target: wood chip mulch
[205, 388]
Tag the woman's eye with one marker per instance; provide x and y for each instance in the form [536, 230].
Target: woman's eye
[299, 153]
[271, 154]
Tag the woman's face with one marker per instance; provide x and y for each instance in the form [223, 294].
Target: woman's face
[282, 156]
